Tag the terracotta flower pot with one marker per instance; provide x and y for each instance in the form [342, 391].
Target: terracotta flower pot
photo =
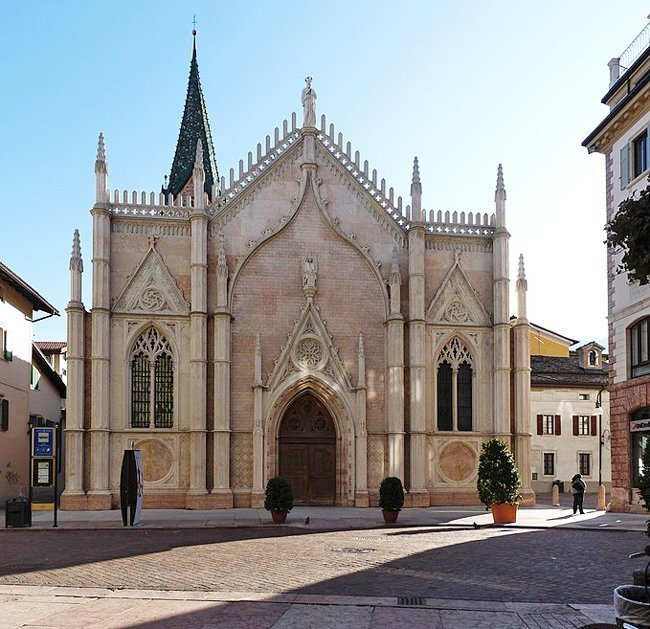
[279, 516]
[504, 513]
[390, 516]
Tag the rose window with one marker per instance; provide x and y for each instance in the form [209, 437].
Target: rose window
[309, 353]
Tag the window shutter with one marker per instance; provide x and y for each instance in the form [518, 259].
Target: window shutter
[575, 426]
[594, 427]
[625, 167]
[4, 415]
[558, 425]
[540, 425]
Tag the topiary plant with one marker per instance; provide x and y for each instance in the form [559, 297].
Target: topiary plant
[391, 494]
[278, 495]
[498, 477]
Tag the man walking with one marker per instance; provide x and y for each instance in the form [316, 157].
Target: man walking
[578, 488]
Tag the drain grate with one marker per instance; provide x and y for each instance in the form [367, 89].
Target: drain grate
[410, 601]
[23, 566]
[353, 550]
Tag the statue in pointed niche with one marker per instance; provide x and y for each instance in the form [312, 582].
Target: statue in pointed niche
[308, 99]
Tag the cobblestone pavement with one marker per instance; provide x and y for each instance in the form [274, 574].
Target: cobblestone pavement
[553, 566]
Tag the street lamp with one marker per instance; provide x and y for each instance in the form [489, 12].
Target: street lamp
[603, 437]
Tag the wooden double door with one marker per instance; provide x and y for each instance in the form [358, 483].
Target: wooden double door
[308, 452]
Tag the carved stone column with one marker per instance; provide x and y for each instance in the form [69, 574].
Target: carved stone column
[99, 496]
[198, 338]
[501, 281]
[395, 384]
[417, 491]
[72, 497]
[257, 497]
[361, 442]
[522, 437]
[221, 431]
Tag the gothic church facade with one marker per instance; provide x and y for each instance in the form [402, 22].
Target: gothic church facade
[295, 320]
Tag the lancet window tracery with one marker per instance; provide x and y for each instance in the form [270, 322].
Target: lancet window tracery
[454, 384]
[152, 381]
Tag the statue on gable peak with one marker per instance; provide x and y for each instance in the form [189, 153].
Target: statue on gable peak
[308, 98]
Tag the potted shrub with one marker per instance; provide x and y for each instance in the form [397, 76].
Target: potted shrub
[391, 498]
[278, 498]
[498, 481]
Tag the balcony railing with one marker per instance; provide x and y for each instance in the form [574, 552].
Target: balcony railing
[634, 50]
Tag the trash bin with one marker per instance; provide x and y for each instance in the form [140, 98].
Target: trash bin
[18, 512]
[632, 605]
[560, 485]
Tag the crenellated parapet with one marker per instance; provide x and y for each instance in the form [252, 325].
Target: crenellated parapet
[286, 136]
[264, 159]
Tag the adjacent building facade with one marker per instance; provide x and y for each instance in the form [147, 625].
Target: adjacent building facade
[55, 353]
[622, 137]
[18, 402]
[569, 413]
[294, 318]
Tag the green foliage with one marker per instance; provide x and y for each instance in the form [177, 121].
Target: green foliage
[498, 476]
[391, 494]
[630, 231]
[278, 496]
[643, 488]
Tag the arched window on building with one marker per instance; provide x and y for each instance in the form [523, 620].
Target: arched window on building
[454, 382]
[152, 381]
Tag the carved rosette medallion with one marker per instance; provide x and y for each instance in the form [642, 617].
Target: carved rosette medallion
[309, 354]
[151, 299]
[157, 460]
[457, 461]
[456, 312]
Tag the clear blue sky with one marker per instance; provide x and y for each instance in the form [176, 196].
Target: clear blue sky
[462, 85]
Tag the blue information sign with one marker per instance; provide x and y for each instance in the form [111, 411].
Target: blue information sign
[43, 442]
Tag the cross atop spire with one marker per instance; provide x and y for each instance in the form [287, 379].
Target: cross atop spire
[194, 127]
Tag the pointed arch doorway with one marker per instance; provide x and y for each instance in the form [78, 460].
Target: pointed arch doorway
[308, 451]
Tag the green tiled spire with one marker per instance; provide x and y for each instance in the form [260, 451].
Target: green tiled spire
[194, 125]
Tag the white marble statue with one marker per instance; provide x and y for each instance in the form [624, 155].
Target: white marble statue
[308, 99]
[309, 271]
